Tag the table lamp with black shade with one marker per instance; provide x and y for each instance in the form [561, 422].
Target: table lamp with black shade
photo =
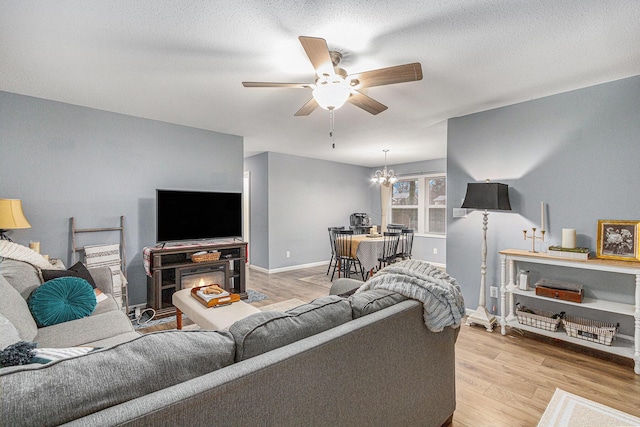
[487, 196]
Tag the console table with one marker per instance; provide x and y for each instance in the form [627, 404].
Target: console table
[623, 346]
[170, 264]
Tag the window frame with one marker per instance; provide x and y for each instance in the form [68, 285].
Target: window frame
[423, 207]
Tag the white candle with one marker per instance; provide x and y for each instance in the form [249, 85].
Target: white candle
[569, 238]
[541, 216]
[34, 246]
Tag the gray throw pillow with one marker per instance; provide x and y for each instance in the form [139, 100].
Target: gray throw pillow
[14, 308]
[21, 275]
[262, 332]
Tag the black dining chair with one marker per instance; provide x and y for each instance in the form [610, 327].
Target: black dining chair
[347, 263]
[332, 241]
[389, 249]
[395, 228]
[406, 243]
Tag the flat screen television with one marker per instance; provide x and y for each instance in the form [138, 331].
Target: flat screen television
[197, 215]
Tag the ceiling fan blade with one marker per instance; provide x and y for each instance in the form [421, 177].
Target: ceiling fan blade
[386, 76]
[318, 53]
[365, 102]
[307, 108]
[268, 84]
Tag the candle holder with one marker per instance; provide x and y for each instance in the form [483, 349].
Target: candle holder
[533, 238]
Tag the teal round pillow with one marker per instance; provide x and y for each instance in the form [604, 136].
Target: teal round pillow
[61, 300]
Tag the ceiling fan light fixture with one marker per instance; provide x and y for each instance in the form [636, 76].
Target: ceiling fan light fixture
[331, 91]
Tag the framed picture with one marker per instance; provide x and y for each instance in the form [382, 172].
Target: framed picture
[618, 240]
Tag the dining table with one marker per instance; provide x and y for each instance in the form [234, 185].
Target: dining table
[368, 248]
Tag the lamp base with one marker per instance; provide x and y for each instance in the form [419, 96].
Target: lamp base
[482, 317]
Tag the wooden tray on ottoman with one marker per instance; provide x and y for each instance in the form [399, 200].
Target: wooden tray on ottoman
[214, 302]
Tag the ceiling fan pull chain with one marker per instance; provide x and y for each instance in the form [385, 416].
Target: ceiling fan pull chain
[332, 127]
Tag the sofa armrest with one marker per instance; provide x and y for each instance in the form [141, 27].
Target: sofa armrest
[344, 285]
[103, 278]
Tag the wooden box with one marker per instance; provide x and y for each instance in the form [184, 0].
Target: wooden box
[560, 290]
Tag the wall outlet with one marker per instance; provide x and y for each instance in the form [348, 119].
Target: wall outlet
[493, 291]
[288, 254]
[435, 251]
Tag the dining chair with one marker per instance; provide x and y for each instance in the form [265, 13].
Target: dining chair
[332, 242]
[347, 263]
[389, 249]
[395, 228]
[407, 243]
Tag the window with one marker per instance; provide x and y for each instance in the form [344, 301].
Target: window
[420, 203]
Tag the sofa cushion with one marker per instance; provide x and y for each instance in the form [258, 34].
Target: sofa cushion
[368, 302]
[107, 304]
[62, 300]
[65, 390]
[85, 330]
[8, 333]
[22, 276]
[262, 332]
[14, 308]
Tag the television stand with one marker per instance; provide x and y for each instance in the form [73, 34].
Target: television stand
[172, 269]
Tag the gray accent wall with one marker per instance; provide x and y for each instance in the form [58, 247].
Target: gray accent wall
[64, 160]
[303, 197]
[579, 152]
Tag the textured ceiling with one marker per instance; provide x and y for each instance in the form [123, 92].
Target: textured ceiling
[183, 61]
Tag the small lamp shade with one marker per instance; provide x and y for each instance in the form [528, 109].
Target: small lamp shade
[11, 215]
[487, 195]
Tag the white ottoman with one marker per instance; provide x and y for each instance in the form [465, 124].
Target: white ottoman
[214, 318]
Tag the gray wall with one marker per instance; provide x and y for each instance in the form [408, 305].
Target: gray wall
[64, 160]
[304, 197]
[578, 152]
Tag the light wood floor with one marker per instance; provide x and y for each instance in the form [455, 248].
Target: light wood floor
[500, 380]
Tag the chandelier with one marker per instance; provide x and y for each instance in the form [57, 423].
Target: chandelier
[384, 176]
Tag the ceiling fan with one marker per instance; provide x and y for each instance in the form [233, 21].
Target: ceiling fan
[333, 86]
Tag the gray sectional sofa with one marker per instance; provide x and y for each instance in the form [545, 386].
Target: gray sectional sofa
[363, 360]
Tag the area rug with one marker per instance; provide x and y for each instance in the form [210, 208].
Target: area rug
[323, 280]
[252, 296]
[282, 305]
[568, 410]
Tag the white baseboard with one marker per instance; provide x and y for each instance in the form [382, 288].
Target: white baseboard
[290, 268]
[313, 264]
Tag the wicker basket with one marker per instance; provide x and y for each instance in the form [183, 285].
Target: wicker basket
[590, 330]
[209, 256]
[541, 319]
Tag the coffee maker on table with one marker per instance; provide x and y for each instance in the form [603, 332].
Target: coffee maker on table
[360, 223]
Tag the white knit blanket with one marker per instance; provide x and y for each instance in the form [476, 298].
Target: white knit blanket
[439, 293]
[18, 252]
